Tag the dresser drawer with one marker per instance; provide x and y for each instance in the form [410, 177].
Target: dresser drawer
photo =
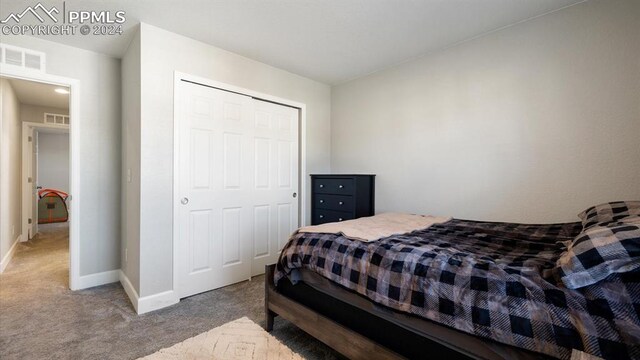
[334, 186]
[321, 216]
[334, 202]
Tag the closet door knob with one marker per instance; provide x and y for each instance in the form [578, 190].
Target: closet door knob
[321, 186]
[184, 201]
[340, 186]
[339, 219]
[321, 216]
[321, 201]
[340, 203]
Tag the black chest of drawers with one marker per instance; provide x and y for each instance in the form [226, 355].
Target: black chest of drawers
[341, 197]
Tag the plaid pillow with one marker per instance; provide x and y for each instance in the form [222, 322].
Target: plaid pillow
[606, 212]
[599, 251]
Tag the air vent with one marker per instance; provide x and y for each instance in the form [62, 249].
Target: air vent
[22, 58]
[32, 61]
[13, 57]
[57, 119]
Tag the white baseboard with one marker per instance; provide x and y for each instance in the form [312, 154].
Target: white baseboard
[7, 258]
[147, 303]
[157, 301]
[129, 289]
[103, 278]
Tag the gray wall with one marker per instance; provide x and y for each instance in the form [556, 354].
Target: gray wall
[532, 123]
[53, 161]
[130, 215]
[34, 113]
[10, 173]
[163, 53]
[99, 147]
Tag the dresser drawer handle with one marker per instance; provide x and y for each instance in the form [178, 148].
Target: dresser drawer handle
[339, 219]
[321, 216]
[321, 201]
[340, 203]
[340, 186]
[321, 186]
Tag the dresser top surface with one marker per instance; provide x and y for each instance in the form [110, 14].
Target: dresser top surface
[339, 175]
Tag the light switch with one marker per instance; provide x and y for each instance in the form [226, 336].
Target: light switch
[128, 175]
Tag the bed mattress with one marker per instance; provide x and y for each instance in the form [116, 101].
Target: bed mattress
[492, 280]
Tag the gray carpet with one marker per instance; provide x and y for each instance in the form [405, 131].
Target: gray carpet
[41, 318]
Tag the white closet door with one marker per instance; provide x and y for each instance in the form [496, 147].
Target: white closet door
[215, 186]
[275, 209]
[237, 172]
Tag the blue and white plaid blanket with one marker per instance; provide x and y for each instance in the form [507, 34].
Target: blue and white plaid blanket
[492, 280]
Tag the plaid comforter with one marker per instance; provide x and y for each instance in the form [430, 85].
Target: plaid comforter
[493, 280]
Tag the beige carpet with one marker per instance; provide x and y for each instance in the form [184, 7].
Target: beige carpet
[241, 339]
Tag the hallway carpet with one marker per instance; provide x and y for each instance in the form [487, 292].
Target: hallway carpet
[40, 318]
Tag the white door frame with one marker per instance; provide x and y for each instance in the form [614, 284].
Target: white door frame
[302, 148]
[74, 161]
[27, 159]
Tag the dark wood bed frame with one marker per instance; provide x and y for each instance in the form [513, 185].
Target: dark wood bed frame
[342, 339]
[349, 335]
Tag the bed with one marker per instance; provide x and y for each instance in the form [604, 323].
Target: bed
[460, 289]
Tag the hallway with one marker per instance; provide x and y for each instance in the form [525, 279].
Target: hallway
[40, 318]
[42, 262]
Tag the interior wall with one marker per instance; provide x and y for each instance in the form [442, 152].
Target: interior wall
[532, 123]
[99, 147]
[162, 54]
[35, 113]
[53, 161]
[130, 214]
[10, 169]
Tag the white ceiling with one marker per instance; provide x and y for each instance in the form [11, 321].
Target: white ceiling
[331, 41]
[39, 94]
